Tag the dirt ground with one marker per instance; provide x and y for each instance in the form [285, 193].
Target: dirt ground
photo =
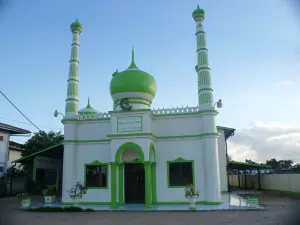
[280, 210]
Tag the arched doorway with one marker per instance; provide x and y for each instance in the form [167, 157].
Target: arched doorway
[131, 173]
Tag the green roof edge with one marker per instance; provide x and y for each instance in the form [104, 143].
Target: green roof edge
[251, 164]
[36, 153]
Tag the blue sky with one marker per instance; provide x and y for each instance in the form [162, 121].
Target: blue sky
[254, 53]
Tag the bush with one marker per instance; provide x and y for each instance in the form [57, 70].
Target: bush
[60, 209]
[2, 187]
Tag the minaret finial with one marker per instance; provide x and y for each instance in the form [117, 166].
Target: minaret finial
[132, 65]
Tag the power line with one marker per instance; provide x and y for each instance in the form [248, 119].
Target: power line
[53, 128]
[19, 110]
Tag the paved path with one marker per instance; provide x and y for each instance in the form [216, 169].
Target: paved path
[278, 209]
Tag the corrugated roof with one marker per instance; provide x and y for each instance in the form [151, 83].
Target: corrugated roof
[13, 130]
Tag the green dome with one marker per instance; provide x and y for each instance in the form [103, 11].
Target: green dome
[132, 80]
[76, 26]
[88, 110]
[198, 13]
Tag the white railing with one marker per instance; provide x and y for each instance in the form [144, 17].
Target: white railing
[176, 110]
[94, 117]
[158, 111]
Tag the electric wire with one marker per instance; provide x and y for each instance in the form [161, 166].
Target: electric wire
[19, 110]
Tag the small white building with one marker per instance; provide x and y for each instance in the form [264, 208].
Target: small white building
[6, 131]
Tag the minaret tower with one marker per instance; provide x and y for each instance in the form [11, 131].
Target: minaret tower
[71, 109]
[206, 102]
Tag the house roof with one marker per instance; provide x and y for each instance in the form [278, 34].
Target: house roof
[13, 130]
[227, 131]
[54, 151]
[247, 166]
[14, 146]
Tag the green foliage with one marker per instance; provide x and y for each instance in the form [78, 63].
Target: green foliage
[78, 190]
[279, 164]
[50, 191]
[22, 195]
[40, 141]
[191, 191]
[2, 187]
[60, 209]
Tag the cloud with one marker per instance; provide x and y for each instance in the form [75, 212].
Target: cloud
[264, 141]
[286, 83]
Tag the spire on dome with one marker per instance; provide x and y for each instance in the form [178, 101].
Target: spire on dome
[89, 105]
[132, 65]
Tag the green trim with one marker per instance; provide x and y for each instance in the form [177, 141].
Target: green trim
[83, 121]
[121, 183]
[128, 117]
[86, 141]
[205, 89]
[163, 137]
[179, 160]
[153, 182]
[133, 145]
[187, 203]
[36, 153]
[96, 163]
[114, 204]
[87, 203]
[148, 187]
[187, 113]
[250, 164]
[225, 128]
[134, 110]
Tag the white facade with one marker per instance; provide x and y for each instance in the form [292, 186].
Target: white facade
[92, 138]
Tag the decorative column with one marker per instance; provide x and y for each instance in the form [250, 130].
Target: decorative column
[206, 102]
[71, 108]
[147, 165]
[121, 183]
[153, 182]
[113, 186]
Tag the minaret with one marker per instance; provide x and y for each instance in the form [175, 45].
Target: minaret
[71, 109]
[205, 96]
[206, 102]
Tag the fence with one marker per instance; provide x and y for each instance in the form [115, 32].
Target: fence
[280, 182]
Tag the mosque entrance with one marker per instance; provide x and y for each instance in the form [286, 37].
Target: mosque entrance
[134, 175]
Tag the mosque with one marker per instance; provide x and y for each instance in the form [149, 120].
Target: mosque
[135, 154]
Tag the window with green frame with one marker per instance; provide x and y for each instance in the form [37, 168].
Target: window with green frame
[96, 176]
[180, 174]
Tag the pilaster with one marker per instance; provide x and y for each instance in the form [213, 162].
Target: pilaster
[113, 186]
[148, 188]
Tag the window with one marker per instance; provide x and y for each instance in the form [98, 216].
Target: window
[96, 176]
[1, 169]
[1, 138]
[180, 174]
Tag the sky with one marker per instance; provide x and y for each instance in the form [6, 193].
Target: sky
[254, 54]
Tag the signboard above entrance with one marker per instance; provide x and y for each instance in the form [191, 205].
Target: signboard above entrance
[129, 124]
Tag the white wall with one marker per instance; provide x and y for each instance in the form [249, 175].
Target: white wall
[4, 145]
[222, 160]
[96, 130]
[168, 150]
[87, 153]
[176, 126]
[14, 155]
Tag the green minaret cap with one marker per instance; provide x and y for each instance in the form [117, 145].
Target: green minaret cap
[76, 26]
[198, 13]
[89, 104]
[132, 65]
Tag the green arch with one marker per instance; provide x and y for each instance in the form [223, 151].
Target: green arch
[133, 145]
[152, 149]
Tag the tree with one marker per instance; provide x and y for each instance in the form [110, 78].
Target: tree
[40, 141]
[250, 161]
[229, 158]
[285, 163]
[273, 163]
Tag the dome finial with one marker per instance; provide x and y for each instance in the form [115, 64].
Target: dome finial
[89, 104]
[132, 65]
